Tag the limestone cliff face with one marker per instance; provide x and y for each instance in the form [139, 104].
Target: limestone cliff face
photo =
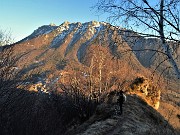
[146, 90]
[138, 118]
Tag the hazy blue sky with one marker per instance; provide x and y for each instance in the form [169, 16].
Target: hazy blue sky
[22, 17]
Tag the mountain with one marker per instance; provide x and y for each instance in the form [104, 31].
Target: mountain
[70, 47]
[89, 60]
[73, 40]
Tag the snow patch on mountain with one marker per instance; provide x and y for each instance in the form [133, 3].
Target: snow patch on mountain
[81, 30]
[64, 30]
[43, 30]
[82, 49]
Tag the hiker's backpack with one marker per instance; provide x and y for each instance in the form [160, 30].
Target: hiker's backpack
[121, 98]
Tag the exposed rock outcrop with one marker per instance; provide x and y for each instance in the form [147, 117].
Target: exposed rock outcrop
[146, 90]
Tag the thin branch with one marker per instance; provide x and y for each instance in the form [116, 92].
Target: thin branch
[161, 16]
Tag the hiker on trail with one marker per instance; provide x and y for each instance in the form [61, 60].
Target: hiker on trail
[120, 100]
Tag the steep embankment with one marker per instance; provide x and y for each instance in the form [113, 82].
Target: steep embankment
[137, 119]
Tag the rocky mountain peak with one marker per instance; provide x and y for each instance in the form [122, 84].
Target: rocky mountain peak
[65, 24]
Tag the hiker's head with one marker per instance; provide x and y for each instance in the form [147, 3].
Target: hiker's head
[121, 92]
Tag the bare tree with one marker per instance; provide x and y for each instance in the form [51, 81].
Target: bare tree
[11, 76]
[7, 69]
[7, 62]
[160, 19]
[5, 38]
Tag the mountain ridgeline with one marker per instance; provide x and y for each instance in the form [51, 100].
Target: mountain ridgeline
[74, 40]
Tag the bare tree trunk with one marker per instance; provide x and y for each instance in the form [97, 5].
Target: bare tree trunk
[100, 78]
[166, 47]
[91, 70]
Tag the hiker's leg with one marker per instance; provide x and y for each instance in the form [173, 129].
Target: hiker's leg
[121, 109]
